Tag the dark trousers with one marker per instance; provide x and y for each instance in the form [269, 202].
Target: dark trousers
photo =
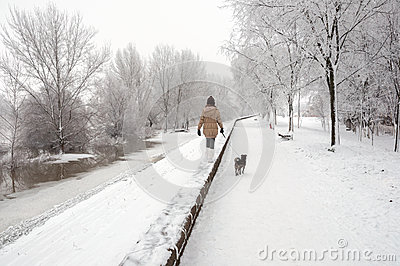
[210, 143]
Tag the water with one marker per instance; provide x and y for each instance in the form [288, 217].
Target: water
[31, 175]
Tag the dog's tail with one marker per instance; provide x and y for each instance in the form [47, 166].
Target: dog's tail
[237, 159]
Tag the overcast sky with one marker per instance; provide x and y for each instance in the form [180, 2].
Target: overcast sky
[196, 24]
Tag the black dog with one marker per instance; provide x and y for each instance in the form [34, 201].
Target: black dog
[240, 164]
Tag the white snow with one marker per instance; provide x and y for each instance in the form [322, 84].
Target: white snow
[33, 202]
[190, 175]
[312, 200]
[68, 157]
[108, 225]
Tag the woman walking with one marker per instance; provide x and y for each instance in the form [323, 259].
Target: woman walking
[210, 119]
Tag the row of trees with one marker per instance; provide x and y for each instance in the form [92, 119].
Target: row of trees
[148, 90]
[61, 93]
[350, 48]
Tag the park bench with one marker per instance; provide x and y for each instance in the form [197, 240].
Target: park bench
[287, 136]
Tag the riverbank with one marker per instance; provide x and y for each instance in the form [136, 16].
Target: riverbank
[32, 202]
[103, 229]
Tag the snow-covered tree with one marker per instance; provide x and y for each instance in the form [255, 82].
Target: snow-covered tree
[162, 71]
[58, 61]
[124, 90]
[11, 112]
[391, 62]
[274, 51]
[188, 71]
[325, 28]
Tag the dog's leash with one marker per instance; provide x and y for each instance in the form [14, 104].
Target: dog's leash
[231, 146]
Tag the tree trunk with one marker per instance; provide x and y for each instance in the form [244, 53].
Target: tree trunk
[332, 93]
[361, 119]
[397, 127]
[372, 133]
[62, 147]
[166, 122]
[337, 113]
[298, 110]
[290, 104]
[176, 124]
[178, 102]
[12, 170]
[61, 128]
[12, 174]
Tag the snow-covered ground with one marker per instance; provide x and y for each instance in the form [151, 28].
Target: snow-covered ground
[120, 218]
[30, 203]
[68, 157]
[313, 202]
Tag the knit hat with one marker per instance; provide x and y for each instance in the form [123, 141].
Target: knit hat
[211, 101]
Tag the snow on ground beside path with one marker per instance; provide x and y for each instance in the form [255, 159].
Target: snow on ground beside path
[165, 231]
[105, 227]
[68, 157]
[312, 200]
[33, 202]
[97, 231]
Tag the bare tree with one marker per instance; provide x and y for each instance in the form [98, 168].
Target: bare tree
[275, 61]
[162, 70]
[188, 70]
[58, 63]
[392, 61]
[11, 115]
[112, 103]
[331, 25]
[250, 61]
[326, 28]
[128, 88]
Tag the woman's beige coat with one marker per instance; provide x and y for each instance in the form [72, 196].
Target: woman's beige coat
[210, 119]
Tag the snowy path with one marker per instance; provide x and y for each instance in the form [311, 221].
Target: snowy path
[311, 200]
